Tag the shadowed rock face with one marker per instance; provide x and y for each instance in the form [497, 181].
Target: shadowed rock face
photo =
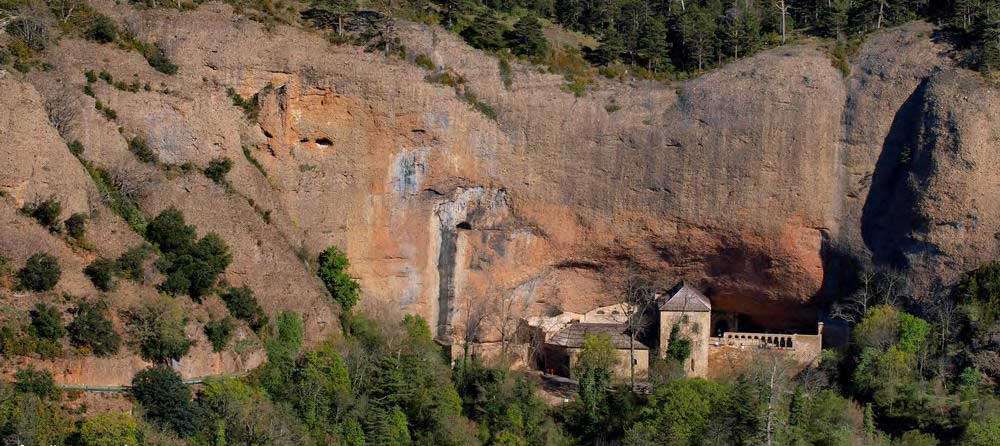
[756, 181]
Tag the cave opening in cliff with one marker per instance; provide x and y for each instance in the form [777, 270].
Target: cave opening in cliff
[324, 143]
[463, 225]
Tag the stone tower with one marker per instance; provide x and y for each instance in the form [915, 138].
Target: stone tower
[691, 312]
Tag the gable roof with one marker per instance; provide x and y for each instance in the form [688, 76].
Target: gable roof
[573, 335]
[686, 298]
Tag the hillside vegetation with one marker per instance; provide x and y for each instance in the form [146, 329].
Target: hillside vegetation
[263, 222]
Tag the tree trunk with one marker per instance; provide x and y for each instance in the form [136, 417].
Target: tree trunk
[631, 359]
[784, 12]
[881, 8]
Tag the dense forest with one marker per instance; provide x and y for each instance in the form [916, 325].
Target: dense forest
[914, 373]
[679, 38]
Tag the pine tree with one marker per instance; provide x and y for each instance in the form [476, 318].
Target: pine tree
[527, 39]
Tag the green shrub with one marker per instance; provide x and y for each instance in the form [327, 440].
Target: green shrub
[486, 109]
[138, 146]
[679, 347]
[102, 30]
[256, 164]
[243, 306]
[332, 271]
[91, 329]
[157, 58]
[218, 332]
[169, 232]
[45, 211]
[46, 322]
[90, 76]
[102, 272]
[249, 106]
[106, 77]
[130, 263]
[195, 268]
[38, 382]
[40, 273]
[218, 168]
[110, 429]
[76, 225]
[156, 329]
[88, 90]
[424, 61]
[76, 148]
[165, 399]
[527, 38]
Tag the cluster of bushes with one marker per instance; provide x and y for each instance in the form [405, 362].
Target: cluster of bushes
[104, 272]
[90, 331]
[40, 273]
[332, 271]
[156, 329]
[217, 170]
[46, 211]
[32, 412]
[250, 107]
[41, 336]
[243, 306]
[132, 87]
[191, 265]
[385, 385]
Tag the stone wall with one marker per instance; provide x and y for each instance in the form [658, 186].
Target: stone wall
[694, 326]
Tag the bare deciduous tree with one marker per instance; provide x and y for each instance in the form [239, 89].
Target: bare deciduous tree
[877, 287]
[771, 371]
[63, 109]
[634, 303]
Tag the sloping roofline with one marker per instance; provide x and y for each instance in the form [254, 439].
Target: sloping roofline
[685, 298]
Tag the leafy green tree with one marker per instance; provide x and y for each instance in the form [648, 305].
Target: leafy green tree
[681, 410]
[130, 264]
[218, 332]
[92, 329]
[32, 420]
[46, 322]
[332, 271]
[486, 32]
[38, 382]
[526, 38]
[233, 412]
[40, 273]
[218, 168]
[165, 399]
[696, 29]
[916, 438]
[156, 328]
[982, 432]
[102, 273]
[243, 305]
[276, 377]
[326, 13]
[76, 225]
[45, 211]
[169, 232]
[593, 370]
[191, 267]
[110, 429]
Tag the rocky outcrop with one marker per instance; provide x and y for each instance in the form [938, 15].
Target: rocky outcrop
[750, 181]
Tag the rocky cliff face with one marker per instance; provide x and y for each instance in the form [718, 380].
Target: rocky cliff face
[750, 181]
